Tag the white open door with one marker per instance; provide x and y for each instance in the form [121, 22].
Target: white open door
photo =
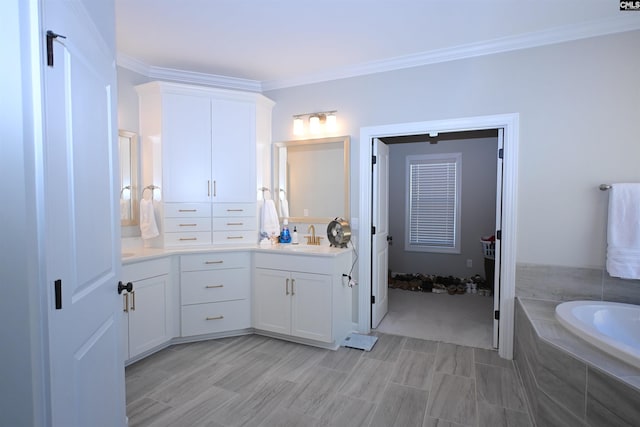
[496, 283]
[82, 225]
[380, 221]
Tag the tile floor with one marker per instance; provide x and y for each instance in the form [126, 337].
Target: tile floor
[260, 381]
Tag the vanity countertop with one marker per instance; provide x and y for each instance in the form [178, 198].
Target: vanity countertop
[135, 254]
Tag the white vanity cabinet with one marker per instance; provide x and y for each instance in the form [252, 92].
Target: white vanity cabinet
[147, 308]
[207, 145]
[214, 290]
[302, 296]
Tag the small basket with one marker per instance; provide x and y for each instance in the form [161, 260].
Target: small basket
[488, 249]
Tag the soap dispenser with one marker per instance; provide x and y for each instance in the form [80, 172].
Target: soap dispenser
[285, 236]
[294, 236]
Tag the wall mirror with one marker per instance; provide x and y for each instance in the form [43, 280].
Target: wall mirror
[129, 171]
[312, 175]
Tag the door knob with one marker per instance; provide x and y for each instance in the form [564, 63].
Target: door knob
[390, 239]
[128, 287]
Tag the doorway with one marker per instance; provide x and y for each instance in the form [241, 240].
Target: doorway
[441, 200]
[505, 247]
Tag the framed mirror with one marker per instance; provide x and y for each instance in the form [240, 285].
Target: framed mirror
[311, 179]
[129, 187]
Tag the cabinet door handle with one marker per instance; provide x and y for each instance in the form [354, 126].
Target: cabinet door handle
[214, 188]
[235, 223]
[208, 188]
[235, 210]
[187, 225]
[188, 238]
[215, 318]
[187, 210]
[126, 303]
[133, 301]
[213, 262]
[286, 287]
[293, 282]
[234, 237]
[214, 286]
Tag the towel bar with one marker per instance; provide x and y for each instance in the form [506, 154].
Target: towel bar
[150, 187]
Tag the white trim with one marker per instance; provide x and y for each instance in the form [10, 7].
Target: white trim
[510, 123]
[523, 41]
[191, 77]
[619, 24]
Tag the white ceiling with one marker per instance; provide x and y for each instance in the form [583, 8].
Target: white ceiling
[281, 43]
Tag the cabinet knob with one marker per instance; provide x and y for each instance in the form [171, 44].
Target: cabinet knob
[121, 287]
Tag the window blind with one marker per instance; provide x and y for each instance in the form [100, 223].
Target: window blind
[433, 202]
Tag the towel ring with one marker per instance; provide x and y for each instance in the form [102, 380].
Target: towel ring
[263, 189]
[150, 187]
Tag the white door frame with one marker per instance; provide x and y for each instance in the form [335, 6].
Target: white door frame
[510, 124]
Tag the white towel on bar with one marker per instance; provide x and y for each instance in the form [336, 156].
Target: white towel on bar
[270, 222]
[148, 226]
[623, 231]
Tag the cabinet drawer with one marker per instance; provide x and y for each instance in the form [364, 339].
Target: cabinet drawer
[173, 225]
[145, 269]
[187, 238]
[198, 319]
[187, 210]
[234, 224]
[214, 286]
[214, 261]
[234, 209]
[236, 237]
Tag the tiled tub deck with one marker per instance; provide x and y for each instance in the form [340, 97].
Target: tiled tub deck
[568, 381]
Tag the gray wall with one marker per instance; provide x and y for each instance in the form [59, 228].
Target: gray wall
[477, 207]
[579, 107]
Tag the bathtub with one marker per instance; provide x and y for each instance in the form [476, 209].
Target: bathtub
[612, 327]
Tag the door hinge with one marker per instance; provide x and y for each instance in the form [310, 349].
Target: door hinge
[50, 37]
[501, 153]
[496, 314]
[373, 299]
[499, 234]
[373, 229]
[374, 160]
[57, 287]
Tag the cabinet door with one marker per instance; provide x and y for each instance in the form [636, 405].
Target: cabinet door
[272, 300]
[147, 314]
[234, 150]
[311, 306]
[186, 147]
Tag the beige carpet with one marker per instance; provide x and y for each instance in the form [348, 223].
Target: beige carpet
[458, 319]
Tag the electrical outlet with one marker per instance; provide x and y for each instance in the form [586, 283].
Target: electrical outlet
[470, 263]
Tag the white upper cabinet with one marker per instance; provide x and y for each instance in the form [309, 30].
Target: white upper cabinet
[234, 151]
[201, 145]
[186, 148]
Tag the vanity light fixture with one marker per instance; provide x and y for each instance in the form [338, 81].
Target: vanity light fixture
[320, 122]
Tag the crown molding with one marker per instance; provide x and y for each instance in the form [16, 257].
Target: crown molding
[619, 24]
[558, 35]
[191, 77]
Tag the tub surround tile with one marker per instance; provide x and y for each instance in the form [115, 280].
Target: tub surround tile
[540, 309]
[562, 385]
[611, 403]
[573, 283]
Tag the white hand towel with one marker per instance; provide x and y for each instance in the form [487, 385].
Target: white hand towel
[623, 231]
[148, 226]
[270, 222]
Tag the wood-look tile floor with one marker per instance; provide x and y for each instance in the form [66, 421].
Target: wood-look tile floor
[259, 381]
